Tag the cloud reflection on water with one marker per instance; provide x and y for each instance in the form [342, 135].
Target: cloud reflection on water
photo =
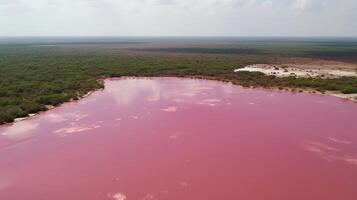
[330, 153]
[130, 90]
[20, 130]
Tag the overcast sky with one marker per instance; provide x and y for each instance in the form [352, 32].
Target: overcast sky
[178, 17]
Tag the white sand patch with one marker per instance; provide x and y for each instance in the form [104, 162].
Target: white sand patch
[304, 71]
[23, 118]
[170, 109]
[352, 97]
[19, 119]
[286, 71]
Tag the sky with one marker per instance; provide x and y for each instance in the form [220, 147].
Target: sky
[178, 18]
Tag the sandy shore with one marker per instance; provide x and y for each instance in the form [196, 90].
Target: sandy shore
[305, 71]
[300, 71]
[50, 107]
[352, 97]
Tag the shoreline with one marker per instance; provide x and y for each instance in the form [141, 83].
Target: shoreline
[50, 107]
[347, 97]
[298, 71]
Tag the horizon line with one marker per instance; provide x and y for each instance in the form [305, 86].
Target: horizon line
[176, 36]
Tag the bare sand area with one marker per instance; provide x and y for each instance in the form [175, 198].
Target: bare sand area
[301, 71]
[307, 71]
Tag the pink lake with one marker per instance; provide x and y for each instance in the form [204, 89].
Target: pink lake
[183, 139]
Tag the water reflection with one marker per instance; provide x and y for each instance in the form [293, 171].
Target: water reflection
[168, 138]
[334, 152]
[153, 91]
[20, 130]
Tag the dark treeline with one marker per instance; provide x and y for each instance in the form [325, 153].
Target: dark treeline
[31, 78]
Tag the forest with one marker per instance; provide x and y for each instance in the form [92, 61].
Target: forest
[32, 77]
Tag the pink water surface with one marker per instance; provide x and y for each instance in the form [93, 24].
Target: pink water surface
[183, 139]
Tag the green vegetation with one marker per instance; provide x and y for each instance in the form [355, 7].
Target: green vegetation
[339, 51]
[33, 77]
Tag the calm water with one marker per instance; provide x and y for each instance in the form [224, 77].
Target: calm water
[175, 139]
